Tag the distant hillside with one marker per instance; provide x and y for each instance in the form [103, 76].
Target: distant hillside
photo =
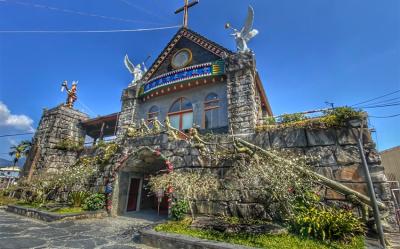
[5, 162]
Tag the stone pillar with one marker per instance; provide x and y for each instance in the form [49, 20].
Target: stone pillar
[57, 125]
[126, 117]
[241, 92]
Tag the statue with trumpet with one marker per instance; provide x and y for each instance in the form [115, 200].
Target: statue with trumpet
[71, 93]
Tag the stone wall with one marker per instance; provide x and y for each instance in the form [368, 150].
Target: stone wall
[128, 110]
[338, 152]
[336, 148]
[56, 125]
[241, 92]
[339, 160]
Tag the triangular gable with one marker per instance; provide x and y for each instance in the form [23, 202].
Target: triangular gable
[184, 37]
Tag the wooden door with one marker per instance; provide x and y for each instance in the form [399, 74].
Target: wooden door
[133, 194]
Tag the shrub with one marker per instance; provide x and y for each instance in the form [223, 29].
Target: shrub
[186, 185]
[94, 202]
[338, 116]
[77, 198]
[179, 210]
[70, 145]
[327, 223]
[6, 200]
[256, 240]
[270, 120]
[294, 117]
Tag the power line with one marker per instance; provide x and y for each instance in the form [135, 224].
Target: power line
[369, 100]
[384, 101]
[390, 116]
[89, 31]
[17, 134]
[69, 11]
[383, 105]
[143, 10]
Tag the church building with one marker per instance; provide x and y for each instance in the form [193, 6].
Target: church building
[188, 83]
[193, 83]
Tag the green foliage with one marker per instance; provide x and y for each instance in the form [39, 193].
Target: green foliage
[6, 200]
[336, 117]
[77, 198]
[277, 192]
[43, 185]
[339, 116]
[270, 120]
[306, 200]
[20, 150]
[70, 145]
[179, 210]
[186, 185]
[327, 223]
[94, 202]
[69, 210]
[261, 241]
[106, 151]
[289, 118]
[236, 220]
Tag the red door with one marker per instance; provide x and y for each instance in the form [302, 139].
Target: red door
[133, 194]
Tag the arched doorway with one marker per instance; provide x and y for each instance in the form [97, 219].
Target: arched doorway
[130, 193]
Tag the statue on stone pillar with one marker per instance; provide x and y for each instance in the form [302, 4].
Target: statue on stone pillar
[136, 71]
[243, 36]
[71, 93]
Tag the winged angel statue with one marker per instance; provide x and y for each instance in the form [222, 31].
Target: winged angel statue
[137, 71]
[243, 36]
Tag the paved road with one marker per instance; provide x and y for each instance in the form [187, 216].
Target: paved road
[18, 232]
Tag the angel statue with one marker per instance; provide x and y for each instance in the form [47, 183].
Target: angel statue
[71, 98]
[136, 71]
[243, 36]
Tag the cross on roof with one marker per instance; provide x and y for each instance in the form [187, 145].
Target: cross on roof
[185, 10]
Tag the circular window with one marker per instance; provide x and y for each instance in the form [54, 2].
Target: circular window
[181, 58]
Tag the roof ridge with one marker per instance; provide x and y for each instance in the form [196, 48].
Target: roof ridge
[390, 149]
[187, 33]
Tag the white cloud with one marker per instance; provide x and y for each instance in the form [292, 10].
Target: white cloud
[19, 122]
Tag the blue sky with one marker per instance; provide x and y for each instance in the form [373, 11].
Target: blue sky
[308, 52]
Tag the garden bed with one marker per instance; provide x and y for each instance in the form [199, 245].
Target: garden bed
[180, 235]
[171, 241]
[54, 216]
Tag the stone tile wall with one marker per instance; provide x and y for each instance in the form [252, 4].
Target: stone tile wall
[56, 125]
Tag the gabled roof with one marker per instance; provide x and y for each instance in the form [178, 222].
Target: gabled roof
[192, 36]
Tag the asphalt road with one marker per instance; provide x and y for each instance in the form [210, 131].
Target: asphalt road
[18, 232]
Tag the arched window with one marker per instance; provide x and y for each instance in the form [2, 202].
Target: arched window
[181, 114]
[154, 111]
[211, 109]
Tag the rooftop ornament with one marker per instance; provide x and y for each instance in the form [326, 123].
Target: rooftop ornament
[72, 97]
[136, 71]
[243, 36]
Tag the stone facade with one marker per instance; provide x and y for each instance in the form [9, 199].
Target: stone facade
[56, 125]
[128, 110]
[241, 103]
[241, 92]
[336, 149]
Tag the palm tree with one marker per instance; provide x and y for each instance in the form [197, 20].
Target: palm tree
[20, 150]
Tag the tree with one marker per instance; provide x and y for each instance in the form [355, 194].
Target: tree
[20, 150]
[186, 185]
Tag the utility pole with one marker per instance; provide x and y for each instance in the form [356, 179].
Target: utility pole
[330, 103]
[370, 185]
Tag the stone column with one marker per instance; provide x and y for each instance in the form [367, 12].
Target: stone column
[126, 117]
[56, 125]
[241, 92]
